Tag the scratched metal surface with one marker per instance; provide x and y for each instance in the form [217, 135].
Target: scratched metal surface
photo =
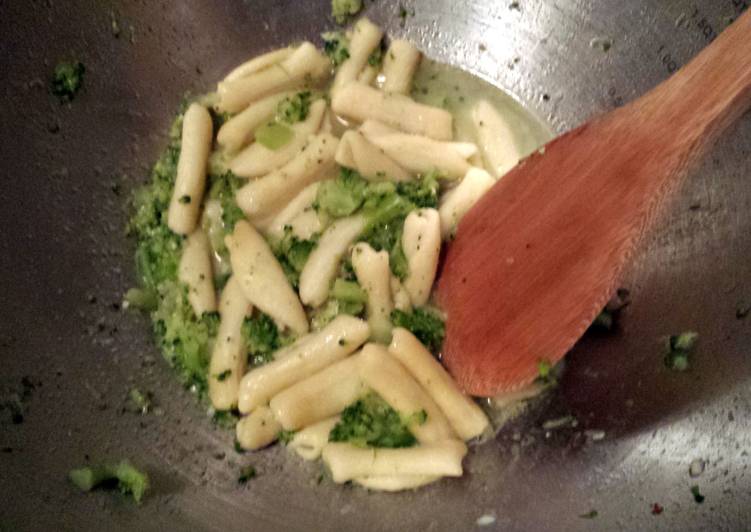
[67, 171]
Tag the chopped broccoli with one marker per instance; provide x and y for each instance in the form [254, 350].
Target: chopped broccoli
[342, 10]
[294, 108]
[424, 323]
[141, 401]
[226, 419]
[141, 299]
[67, 80]
[348, 291]
[698, 497]
[423, 192]
[342, 196]
[371, 422]
[293, 253]
[285, 436]
[262, 338]
[324, 314]
[224, 188]
[246, 473]
[376, 58]
[677, 350]
[336, 47]
[274, 135]
[127, 478]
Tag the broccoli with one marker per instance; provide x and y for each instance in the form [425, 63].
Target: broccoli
[246, 473]
[546, 374]
[274, 135]
[127, 478]
[346, 297]
[141, 299]
[425, 324]
[342, 10]
[342, 196]
[224, 188]
[262, 338]
[677, 350]
[67, 80]
[141, 401]
[336, 47]
[376, 58]
[371, 422]
[294, 108]
[285, 436]
[292, 253]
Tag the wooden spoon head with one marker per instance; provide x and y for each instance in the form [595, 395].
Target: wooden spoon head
[539, 256]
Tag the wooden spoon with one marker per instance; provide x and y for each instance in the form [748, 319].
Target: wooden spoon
[540, 254]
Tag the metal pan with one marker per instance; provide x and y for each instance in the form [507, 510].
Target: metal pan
[69, 355]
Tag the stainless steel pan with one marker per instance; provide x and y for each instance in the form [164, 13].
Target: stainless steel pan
[69, 355]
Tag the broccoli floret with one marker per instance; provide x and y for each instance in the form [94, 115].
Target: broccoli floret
[342, 10]
[224, 188]
[262, 337]
[423, 192]
[424, 323]
[292, 253]
[342, 196]
[126, 477]
[348, 291]
[141, 299]
[67, 80]
[371, 422]
[376, 58]
[678, 348]
[294, 108]
[336, 47]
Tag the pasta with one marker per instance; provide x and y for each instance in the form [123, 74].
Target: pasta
[374, 275]
[190, 182]
[366, 37]
[320, 396]
[320, 269]
[306, 62]
[262, 279]
[323, 201]
[465, 417]
[420, 154]
[456, 202]
[495, 138]
[302, 359]
[386, 376]
[228, 358]
[360, 102]
[399, 65]
[240, 129]
[257, 159]
[347, 462]
[195, 272]
[266, 195]
[309, 442]
[355, 151]
[421, 243]
[257, 430]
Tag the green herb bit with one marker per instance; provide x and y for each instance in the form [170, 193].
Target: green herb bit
[698, 497]
[246, 473]
[274, 135]
[128, 479]
[342, 10]
[294, 108]
[140, 400]
[545, 373]
[336, 47]
[678, 349]
[589, 515]
[184, 199]
[67, 80]
[285, 436]
[425, 324]
[224, 375]
[371, 422]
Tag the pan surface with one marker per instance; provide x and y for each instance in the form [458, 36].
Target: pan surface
[69, 355]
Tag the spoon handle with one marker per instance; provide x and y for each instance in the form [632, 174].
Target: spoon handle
[701, 100]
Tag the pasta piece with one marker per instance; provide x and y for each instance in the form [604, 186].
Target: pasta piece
[356, 152]
[400, 295]
[257, 159]
[466, 418]
[259, 63]
[507, 399]
[300, 205]
[399, 65]
[418, 154]
[366, 37]
[319, 396]
[360, 102]
[496, 139]
[306, 356]
[305, 64]
[421, 243]
[228, 359]
[442, 458]
[258, 429]
[320, 269]
[310, 441]
[373, 274]
[389, 379]
[213, 225]
[395, 482]
[240, 129]
[190, 181]
[195, 271]
[456, 202]
[368, 75]
[266, 195]
[262, 278]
